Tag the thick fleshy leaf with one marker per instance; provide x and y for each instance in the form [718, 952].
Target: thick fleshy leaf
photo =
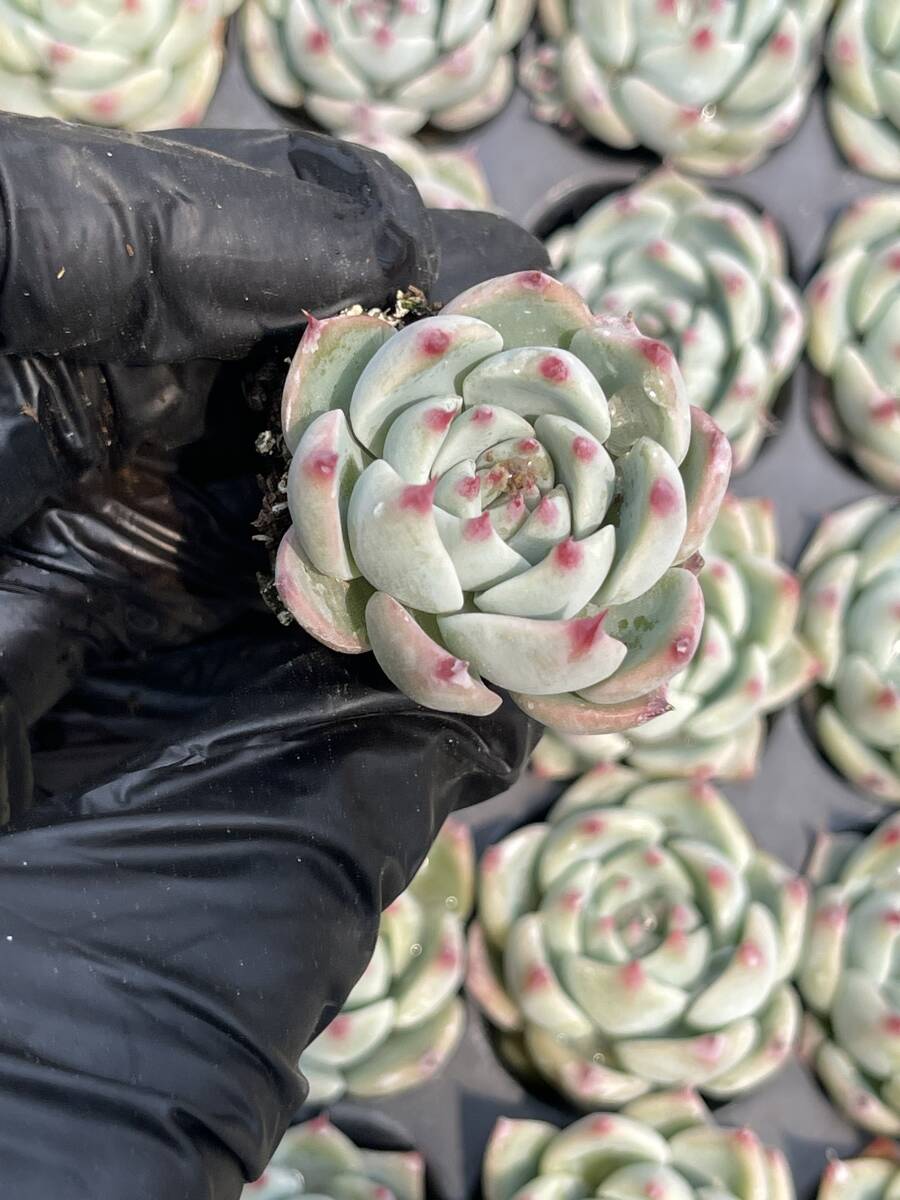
[569, 713]
[559, 585]
[332, 610]
[410, 1057]
[705, 470]
[528, 308]
[322, 474]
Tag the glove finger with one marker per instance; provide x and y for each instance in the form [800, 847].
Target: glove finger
[169, 251]
[235, 879]
[476, 246]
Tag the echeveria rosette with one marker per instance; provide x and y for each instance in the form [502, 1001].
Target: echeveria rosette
[404, 1018]
[707, 275]
[148, 65]
[444, 178]
[710, 85]
[854, 335]
[661, 1147]
[388, 66]
[501, 493]
[317, 1160]
[849, 977]
[637, 940]
[851, 622]
[750, 662]
[863, 59]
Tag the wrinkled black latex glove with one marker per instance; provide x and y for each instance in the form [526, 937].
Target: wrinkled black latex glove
[194, 905]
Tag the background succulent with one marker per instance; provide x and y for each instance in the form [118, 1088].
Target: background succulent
[638, 939]
[663, 1146]
[403, 1019]
[863, 59]
[316, 1159]
[850, 620]
[854, 304]
[147, 65]
[710, 86]
[873, 1176]
[385, 65]
[444, 178]
[708, 276]
[750, 662]
[502, 491]
[849, 977]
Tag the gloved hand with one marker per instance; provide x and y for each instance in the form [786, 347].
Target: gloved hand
[222, 807]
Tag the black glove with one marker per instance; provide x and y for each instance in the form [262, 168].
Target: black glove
[223, 807]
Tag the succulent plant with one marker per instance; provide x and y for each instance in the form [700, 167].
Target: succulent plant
[636, 940]
[750, 662]
[709, 85]
[708, 276]
[854, 334]
[872, 1176]
[863, 60]
[663, 1146]
[135, 64]
[851, 610]
[848, 975]
[502, 491]
[444, 178]
[403, 1019]
[377, 66]
[315, 1159]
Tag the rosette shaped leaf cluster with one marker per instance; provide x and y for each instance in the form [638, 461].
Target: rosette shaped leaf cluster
[751, 661]
[403, 1019]
[863, 59]
[711, 87]
[444, 178]
[148, 65]
[502, 492]
[851, 622]
[849, 976]
[873, 1176]
[638, 939]
[386, 65]
[854, 304]
[707, 275]
[664, 1146]
[317, 1160]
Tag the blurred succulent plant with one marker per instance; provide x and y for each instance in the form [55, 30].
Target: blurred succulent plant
[854, 334]
[467, 502]
[317, 1160]
[750, 662]
[444, 178]
[850, 620]
[863, 59]
[403, 1019]
[848, 975]
[708, 276]
[370, 66]
[153, 64]
[708, 85]
[664, 1146]
[872, 1176]
[638, 939]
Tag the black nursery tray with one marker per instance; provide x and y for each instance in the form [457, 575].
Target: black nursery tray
[539, 177]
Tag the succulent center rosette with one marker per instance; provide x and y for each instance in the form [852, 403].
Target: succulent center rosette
[148, 65]
[863, 59]
[385, 66]
[638, 939]
[661, 1147]
[317, 1160]
[851, 622]
[708, 276]
[501, 493]
[854, 336]
[751, 661]
[849, 977]
[711, 87]
[403, 1019]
